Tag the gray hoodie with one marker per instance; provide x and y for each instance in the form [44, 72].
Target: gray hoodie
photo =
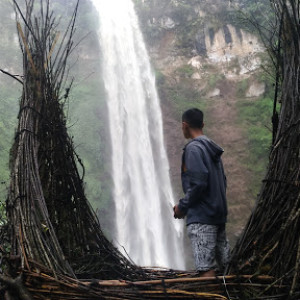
[203, 182]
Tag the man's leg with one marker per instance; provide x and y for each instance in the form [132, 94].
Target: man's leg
[222, 249]
[204, 239]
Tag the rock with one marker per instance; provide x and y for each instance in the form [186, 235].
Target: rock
[196, 76]
[201, 13]
[229, 43]
[256, 89]
[214, 93]
[200, 43]
[250, 63]
[195, 62]
[167, 23]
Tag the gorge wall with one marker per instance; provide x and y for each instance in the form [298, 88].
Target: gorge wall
[205, 57]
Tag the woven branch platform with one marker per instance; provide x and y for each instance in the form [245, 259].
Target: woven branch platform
[161, 285]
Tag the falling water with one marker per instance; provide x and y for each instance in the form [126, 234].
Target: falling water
[142, 190]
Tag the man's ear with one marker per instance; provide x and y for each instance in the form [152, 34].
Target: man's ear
[185, 126]
[203, 126]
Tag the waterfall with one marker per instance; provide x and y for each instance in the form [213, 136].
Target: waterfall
[140, 169]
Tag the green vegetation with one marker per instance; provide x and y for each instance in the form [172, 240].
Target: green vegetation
[214, 79]
[258, 11]
[242, 88]
[86, 124]
[182, 96]
[10, 92]
[85, 108]
[189, 22]
[183, 12]
[255, 117]
[186, 71]
[2, 212]
[160, 78]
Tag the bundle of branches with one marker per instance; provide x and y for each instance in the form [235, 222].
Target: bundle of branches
[182, 285]
[270, 243]
[50, 219]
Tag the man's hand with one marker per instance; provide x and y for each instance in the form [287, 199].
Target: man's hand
[178, 214]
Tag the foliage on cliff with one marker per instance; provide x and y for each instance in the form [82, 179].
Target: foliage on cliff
[85, 110]
[186, 17]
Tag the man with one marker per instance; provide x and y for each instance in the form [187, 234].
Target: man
[204, 203]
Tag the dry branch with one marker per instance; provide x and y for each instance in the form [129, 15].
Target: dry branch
[50, 219]
[11, 75]
[270, 243]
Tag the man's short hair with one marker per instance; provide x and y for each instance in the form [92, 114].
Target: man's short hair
[194, 117]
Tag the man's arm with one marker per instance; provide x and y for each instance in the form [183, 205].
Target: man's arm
[197, 176]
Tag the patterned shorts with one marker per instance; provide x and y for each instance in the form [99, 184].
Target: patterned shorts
[209, 245]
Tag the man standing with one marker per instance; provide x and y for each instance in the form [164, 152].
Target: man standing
[204, 203]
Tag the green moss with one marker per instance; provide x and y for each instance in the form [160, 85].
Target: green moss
[241, 88]
[160, 78]
[186, 71]
[255, 118]
[182, 97]
[214, 79]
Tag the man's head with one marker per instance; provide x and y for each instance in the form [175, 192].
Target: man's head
[192, 123]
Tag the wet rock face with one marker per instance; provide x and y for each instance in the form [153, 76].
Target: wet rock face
[211, 33]
[167, 22]
[230, 43]
[239, 34]
[256, 89]
[226, 43]
[200, 43]
[227, 34]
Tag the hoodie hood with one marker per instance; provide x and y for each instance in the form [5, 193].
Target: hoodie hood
[214, 150]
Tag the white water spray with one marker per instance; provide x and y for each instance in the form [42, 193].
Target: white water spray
[142, 189]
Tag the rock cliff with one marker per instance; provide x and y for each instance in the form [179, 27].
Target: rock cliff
[204, 58]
